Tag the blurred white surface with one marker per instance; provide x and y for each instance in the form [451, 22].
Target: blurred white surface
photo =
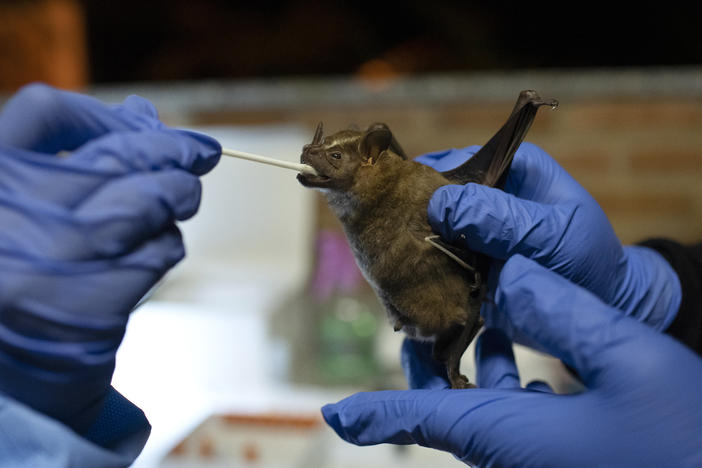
[255, 223]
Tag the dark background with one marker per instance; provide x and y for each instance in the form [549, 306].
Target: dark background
[184, 39]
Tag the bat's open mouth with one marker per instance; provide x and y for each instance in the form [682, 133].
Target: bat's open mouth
[309, 180]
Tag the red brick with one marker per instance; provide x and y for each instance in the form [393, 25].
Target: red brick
[575, 161]
[471, 116]
[645, 204]
[668, 160]
[635, 113]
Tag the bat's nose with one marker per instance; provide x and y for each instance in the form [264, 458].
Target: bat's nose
[310, 151]
[307, 156]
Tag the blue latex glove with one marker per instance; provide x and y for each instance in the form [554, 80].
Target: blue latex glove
[642, 406]
[32, 439]
[83, 236]
[545, 215]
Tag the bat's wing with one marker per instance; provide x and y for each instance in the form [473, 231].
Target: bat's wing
[490, 165]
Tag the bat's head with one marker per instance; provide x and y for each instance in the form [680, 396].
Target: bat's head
[337, 158]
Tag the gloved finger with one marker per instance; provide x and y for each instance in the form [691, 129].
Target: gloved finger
[139, 106]
[569, 322]
[421, 369]
[468, 423]
[24, 173]
[120, 153]
[495, 319]
[205, 164]
[129, 210]
[498, 224]
[51, 288]
[495, 366]
[47, 120]
[539, 386]
[111, 222]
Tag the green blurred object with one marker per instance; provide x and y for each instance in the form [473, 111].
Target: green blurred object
[346, 313]
[346, 350]
[329, 330]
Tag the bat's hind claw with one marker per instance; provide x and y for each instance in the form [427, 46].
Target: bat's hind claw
[460, 382]
[552, 103]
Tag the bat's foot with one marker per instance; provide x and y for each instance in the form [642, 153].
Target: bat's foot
[552, 103]
[460, 382]
[453, 348]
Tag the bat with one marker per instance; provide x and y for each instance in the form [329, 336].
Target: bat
[430, 289]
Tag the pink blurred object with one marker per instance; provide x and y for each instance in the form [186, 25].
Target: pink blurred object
[336, 269]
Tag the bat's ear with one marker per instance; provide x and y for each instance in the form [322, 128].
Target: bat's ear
[377, 139]
[318, 134]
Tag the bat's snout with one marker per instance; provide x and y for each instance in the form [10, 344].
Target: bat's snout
[314, 156]
[314, 181]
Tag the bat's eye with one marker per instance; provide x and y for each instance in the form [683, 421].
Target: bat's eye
[336, 155]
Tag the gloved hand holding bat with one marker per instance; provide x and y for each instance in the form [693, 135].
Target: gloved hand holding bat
[642, 406]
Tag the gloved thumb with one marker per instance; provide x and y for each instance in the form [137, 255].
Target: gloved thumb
[141, 107]
[422, 371]
[462, 422]
[498, 224]
[472, 424]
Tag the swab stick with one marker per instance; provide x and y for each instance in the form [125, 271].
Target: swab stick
[303, 168]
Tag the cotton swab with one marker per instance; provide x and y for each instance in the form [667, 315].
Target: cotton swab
[302, 168]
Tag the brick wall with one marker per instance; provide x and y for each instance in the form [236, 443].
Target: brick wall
[640, 158]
